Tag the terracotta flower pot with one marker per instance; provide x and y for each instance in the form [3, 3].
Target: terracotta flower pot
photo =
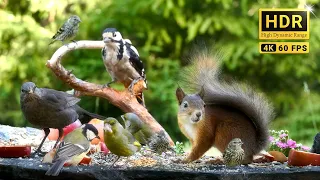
[302, 158]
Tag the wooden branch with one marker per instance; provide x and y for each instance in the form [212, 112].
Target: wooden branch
[122, 99]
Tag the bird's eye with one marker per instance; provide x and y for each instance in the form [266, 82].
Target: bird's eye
[114, 35]
[204, 106]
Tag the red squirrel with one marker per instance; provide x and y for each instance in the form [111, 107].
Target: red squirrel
[220, 111]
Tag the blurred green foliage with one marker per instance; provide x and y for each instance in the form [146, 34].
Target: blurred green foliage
[163, 31]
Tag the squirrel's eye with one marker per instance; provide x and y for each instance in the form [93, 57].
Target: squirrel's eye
[204, 105]
[185, 104]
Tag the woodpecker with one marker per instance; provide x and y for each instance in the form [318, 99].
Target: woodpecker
[122, 61]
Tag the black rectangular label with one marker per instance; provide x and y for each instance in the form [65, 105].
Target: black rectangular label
[268, 47]
[284, 21]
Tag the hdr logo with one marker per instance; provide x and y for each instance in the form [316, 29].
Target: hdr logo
[284, 24]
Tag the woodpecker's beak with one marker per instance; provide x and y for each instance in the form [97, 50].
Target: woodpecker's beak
[106, 39]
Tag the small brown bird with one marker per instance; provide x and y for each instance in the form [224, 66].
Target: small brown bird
[234, 154]
[159, 143]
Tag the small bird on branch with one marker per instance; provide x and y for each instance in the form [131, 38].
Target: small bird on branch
[68, 30]
[122, 61]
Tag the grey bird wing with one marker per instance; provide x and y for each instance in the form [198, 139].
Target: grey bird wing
[58, 99]
[60, 30]
[67, 150]
[64, 153]
[135, 59]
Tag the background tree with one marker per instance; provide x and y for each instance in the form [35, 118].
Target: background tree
[163, 31]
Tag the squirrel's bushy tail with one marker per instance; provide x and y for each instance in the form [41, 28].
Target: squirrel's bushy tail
[204, 72]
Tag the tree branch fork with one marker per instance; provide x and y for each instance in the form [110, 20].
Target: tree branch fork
[125, 100]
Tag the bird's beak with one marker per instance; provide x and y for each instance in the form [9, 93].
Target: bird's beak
[30, 91]
[107, 127]
[98, 137]
[106, 39]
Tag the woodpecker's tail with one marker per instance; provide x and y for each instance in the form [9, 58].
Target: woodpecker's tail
[140, 99]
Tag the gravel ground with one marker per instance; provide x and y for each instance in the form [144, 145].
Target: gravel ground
[169, 161]
[144, 158]
[12, 136]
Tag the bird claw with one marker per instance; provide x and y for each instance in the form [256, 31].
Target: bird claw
[112, 165]
[107, 85]
[38, 153]
[69, 72]
[74, 42]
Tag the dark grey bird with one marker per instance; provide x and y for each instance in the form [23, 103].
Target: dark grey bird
[68, 30]
[316, 144]
[234, 154]
[122, 60]
[49, 108]
[74, 147]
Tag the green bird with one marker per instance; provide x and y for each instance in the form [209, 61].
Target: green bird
[140, 130]
[119, 140]
[157, 142]
[68, 30]
[234, 154]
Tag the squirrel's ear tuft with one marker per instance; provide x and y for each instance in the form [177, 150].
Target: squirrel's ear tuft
[201, 93]
[180, 95]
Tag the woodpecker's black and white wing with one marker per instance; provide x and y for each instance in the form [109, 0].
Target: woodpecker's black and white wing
[134, 58]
